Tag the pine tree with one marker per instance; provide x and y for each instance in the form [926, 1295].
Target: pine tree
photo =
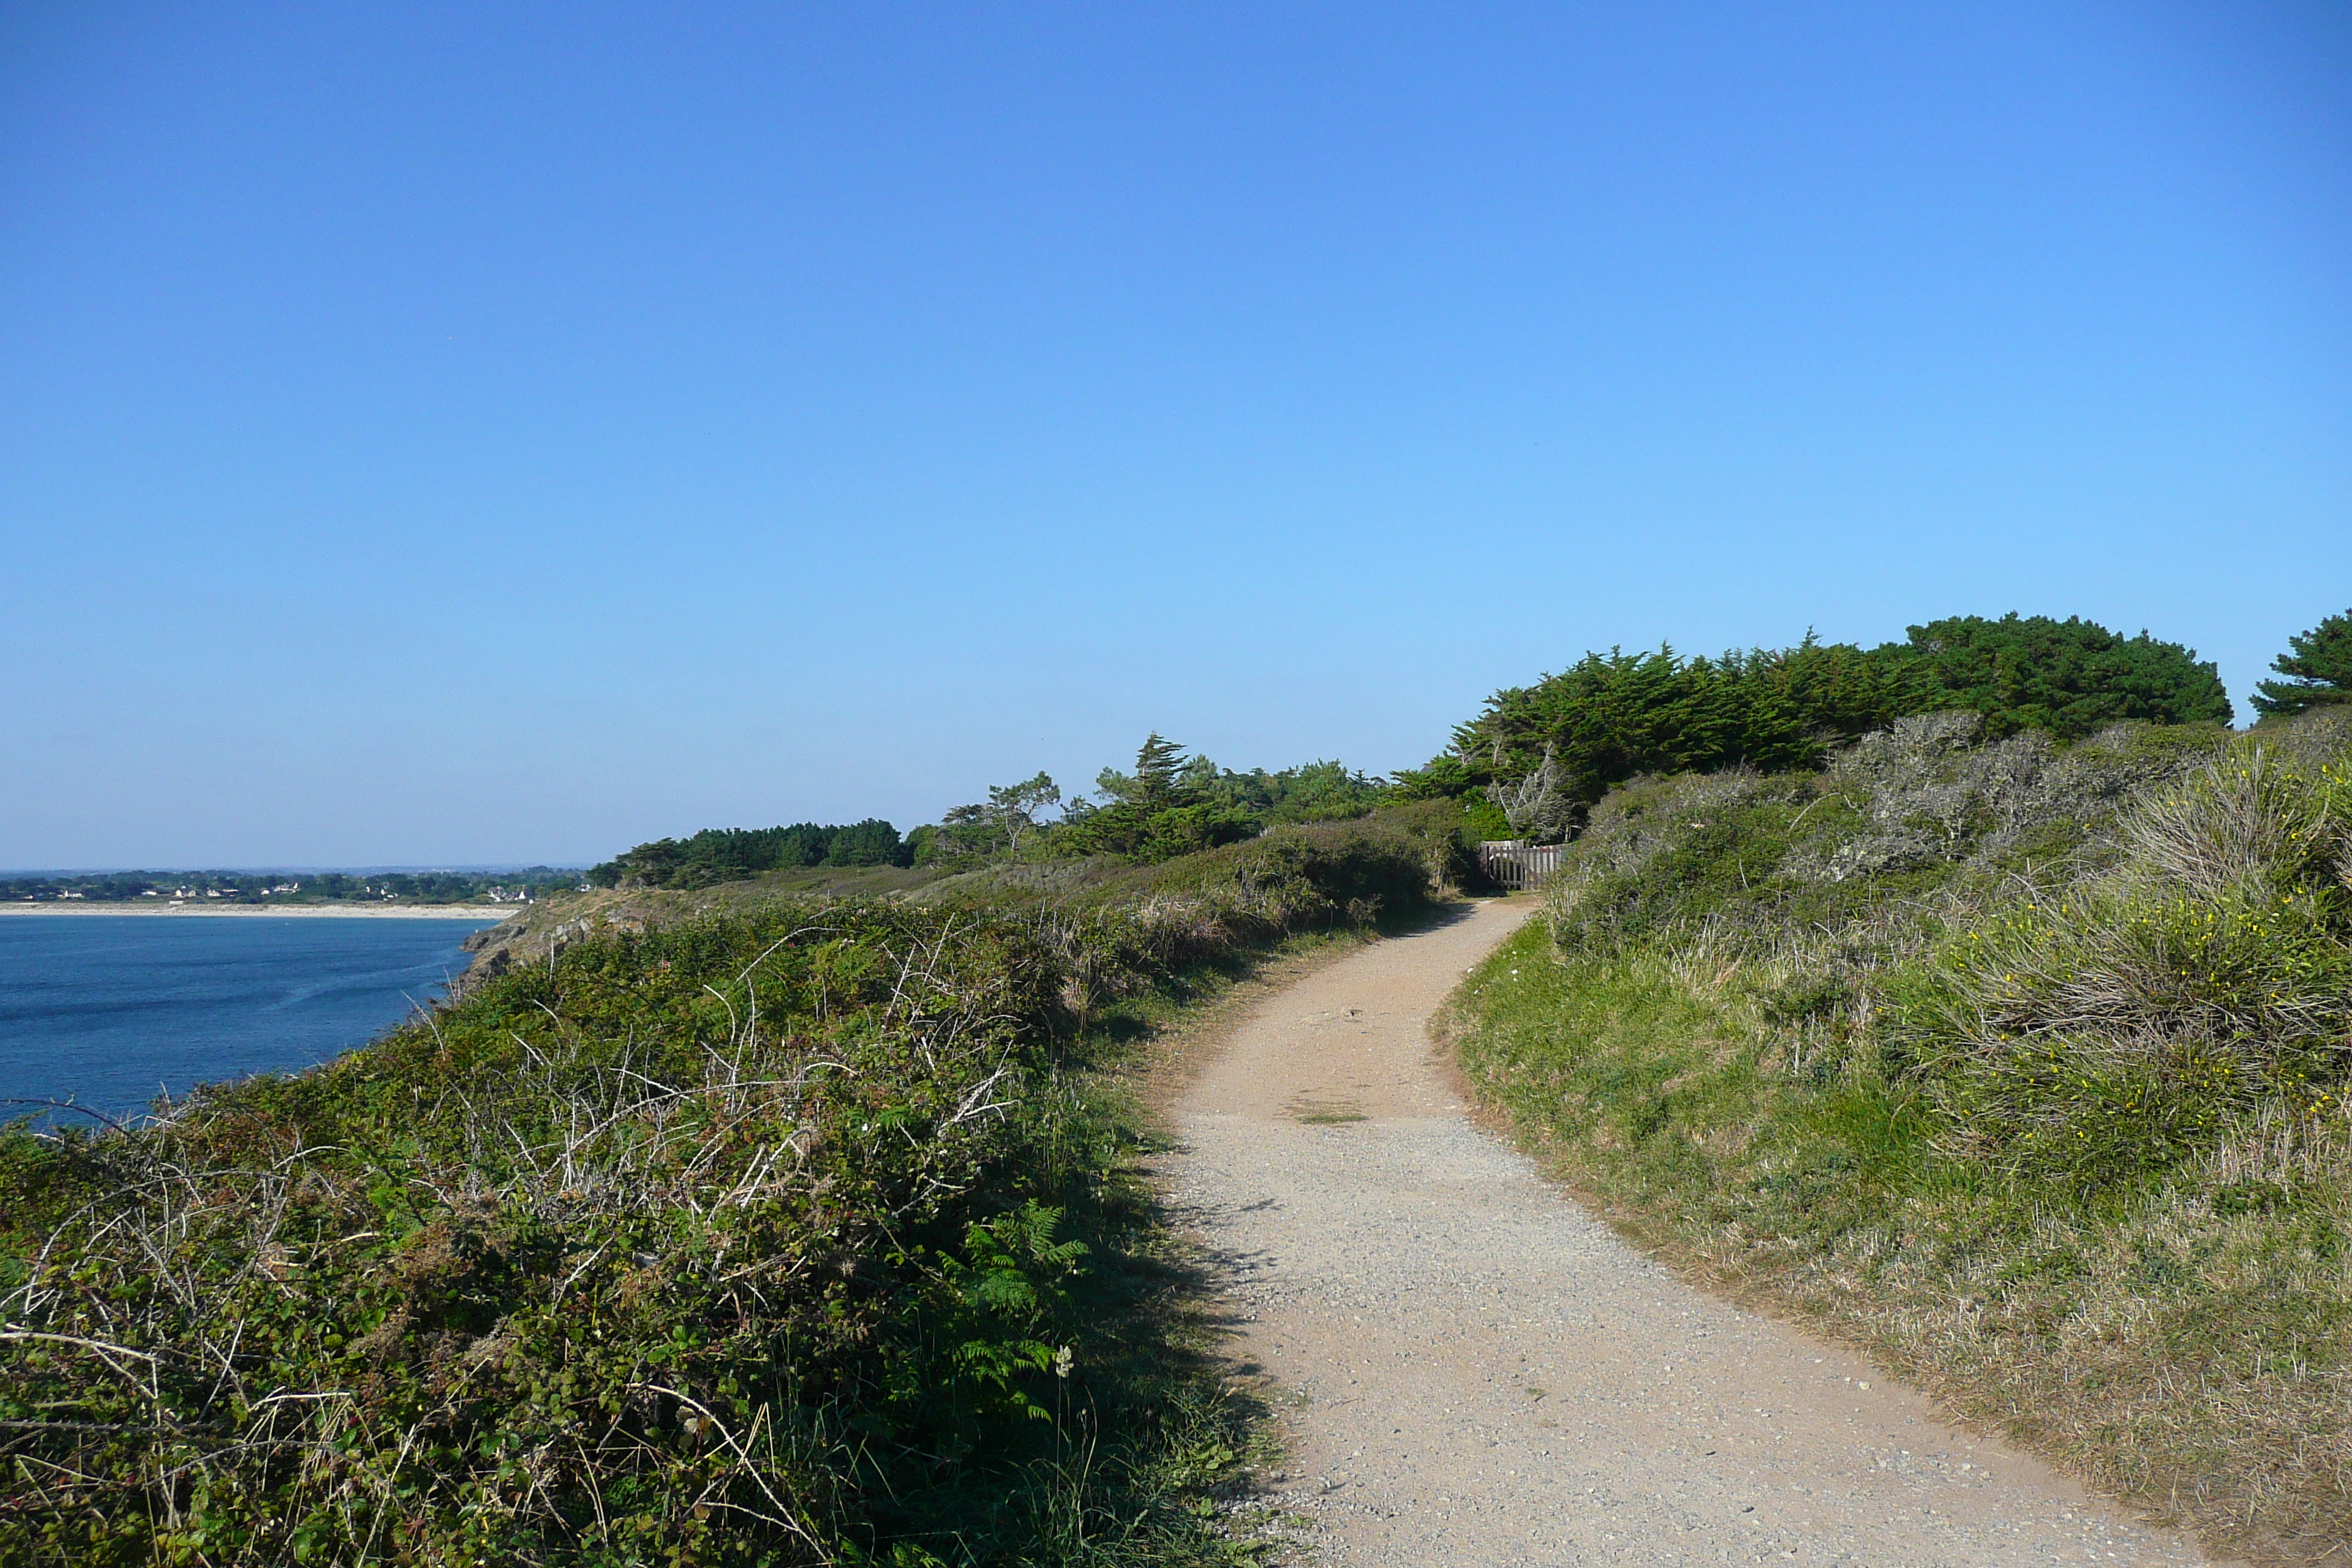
[1163, 778]
[1159, 772]
[2319, 663]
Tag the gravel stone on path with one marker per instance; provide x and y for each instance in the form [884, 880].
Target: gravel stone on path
[1474, 1371]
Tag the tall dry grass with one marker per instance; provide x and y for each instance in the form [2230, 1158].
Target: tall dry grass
[2023, 1065]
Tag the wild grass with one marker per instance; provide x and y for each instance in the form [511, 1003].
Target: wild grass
[808, 1234]
[1292, 876]
[2047, 1109]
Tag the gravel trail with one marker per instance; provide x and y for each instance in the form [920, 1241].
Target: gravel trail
[1475, 1372]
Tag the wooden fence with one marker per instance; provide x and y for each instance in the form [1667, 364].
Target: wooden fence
[1515, 863]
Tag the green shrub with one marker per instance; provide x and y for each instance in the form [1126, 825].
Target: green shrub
[1173, 805]
[2023, 1063]
[787, 1238]
[2131, 1022]
[1384, 862]
[1617, 716]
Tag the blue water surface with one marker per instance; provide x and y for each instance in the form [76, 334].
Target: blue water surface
[109, 1010]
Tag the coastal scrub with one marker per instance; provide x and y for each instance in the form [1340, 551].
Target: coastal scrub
[2022, 1065]
[807, 1234]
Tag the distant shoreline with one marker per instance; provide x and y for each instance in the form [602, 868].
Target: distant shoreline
[306, 911]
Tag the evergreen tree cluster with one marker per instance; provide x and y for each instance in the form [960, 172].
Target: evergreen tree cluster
[2318, 668]
[727, 854]
[1536, 756]
[1545, 752]
[1172, 804]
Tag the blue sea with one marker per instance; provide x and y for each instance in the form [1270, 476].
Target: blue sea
[108, 1010]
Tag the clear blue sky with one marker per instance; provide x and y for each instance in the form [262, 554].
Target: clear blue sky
[471, 434]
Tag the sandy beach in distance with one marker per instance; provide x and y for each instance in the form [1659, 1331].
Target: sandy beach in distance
[331, 911]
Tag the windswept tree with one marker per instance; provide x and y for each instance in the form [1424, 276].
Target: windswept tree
[1535, 807]
[1016, 807]
[1008, 820]
[2317, 666]
[1167, 806]
[1164, 778]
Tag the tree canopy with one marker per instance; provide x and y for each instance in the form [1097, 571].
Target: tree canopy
[1171, 803]
[729, 854]
[1542, 753]
[2317, 667]
[2069, 678]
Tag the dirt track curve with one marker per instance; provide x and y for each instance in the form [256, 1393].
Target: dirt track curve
[1473, 1371]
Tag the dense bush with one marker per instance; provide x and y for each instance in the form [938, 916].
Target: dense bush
[2026, 1063]
[1122, 921]
[610, 1255]
[1313, 792]
[1616, 716]
[2129, 1021]
[784, 1238]
[1384, 862]
[1546, 752]
[1921, 806]
[1173, 805]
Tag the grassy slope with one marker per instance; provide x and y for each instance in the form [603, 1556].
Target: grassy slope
[802, 1232]
[1723, 1046]
[1426, 832]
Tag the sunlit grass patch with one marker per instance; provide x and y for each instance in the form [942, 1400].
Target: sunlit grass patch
[2069, 1148]
[806, 1235]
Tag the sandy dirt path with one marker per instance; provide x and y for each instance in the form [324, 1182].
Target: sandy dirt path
[1473, 1371]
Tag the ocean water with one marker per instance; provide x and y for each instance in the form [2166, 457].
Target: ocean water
[106, 1010]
